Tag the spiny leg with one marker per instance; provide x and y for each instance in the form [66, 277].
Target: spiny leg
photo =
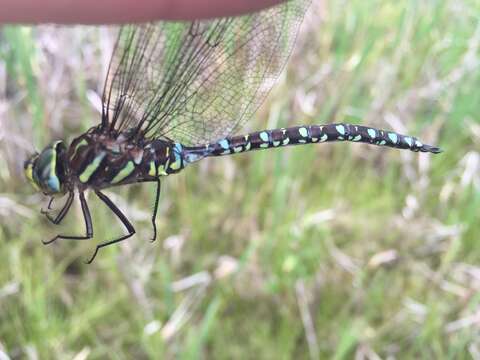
[123, 219]
[86, 217]
[66, 207]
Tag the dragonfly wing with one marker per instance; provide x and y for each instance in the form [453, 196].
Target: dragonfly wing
[195, 82]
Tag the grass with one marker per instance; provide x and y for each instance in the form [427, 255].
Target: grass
[333, 251]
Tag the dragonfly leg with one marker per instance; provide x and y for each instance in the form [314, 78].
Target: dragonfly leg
[123, 219]
[66, 207]
[49, 206]
[155, 206]
[155, 209]
[86, 216]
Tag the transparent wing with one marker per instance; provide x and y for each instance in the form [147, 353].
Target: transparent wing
[196, 82]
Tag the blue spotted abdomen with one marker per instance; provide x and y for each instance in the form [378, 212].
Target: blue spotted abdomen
[300, 135]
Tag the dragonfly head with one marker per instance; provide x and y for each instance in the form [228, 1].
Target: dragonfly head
[46, 171]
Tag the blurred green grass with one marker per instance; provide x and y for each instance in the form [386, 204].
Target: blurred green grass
[332, 251]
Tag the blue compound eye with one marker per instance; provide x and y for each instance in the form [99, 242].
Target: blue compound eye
[44, 171]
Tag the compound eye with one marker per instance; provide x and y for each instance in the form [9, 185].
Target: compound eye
[45, 170]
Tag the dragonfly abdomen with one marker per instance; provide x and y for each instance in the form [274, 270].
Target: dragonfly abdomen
[308, 134]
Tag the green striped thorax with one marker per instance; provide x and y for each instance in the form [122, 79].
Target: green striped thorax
[46, 171]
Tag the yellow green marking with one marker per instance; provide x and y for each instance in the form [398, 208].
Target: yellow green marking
[177, 164]
[81, 143]
[152, 171]
[161, 170]
[125, 172]
[90, 169]
[29, 176]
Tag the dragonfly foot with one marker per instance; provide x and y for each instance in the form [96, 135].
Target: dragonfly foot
[51, 219]
[47, 242]
[154, 237]
[89, 261]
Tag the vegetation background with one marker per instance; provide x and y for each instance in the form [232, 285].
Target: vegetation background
[331, 251]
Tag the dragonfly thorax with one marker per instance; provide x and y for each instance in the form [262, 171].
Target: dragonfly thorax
[46, 170]
[99, 160]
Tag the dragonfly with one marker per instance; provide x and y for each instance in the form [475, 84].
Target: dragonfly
[176, 93]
